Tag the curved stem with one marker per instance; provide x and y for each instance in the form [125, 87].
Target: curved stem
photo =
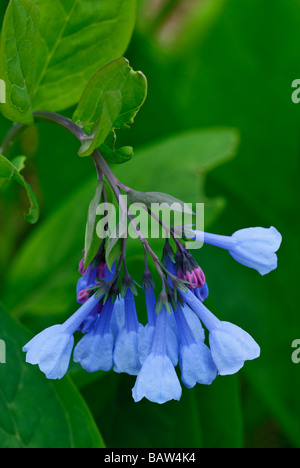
[60, 120]
[57, 119]
[11, 137]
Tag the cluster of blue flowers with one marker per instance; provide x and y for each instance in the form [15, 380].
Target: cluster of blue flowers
[113, 338]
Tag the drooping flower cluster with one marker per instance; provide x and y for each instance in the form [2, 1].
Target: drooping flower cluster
[112, 336]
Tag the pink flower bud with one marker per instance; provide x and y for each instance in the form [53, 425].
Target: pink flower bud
[196, 278]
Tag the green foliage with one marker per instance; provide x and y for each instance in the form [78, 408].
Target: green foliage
[92, 242]
[186, 158]
[11, 172]
[18, 56]
[51, 48]
[150, 198]
[209, 68]
[112, 104]
[36, 412]
[111, 100]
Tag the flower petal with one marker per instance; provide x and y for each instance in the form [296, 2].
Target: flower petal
[196, 365]
[51, 350]
[94, 352]
[194, 323]
[157, 381]
[118, 316]
[126, 353]
[231, 347]
[256, 247]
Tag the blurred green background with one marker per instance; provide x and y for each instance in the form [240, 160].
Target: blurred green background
[209, 63]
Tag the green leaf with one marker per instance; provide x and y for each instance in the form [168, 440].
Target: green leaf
[148, 198]
[116, 77]
[19, 162]
[179, 166]
[49, 288]
[92, 241]
[112, 251]
[74, 44]
[50, 49]
[112, 104]
[9, 171]
[18, 55]
[118, 156]
[36, 412]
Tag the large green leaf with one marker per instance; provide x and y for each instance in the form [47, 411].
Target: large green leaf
[11, 172]
[77, 38]
[35, 412]
[51, 48]
[178, 165]
[18, 55]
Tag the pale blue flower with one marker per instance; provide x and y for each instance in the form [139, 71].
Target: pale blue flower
[157, 380]
[146, 333]
[252, 247]
[230, 345]
[126, 354]
[52, 348]
[193, 323]
[94, 351]
[195, 359]
[118, 316]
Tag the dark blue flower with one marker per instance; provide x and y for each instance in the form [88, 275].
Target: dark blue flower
[88, 280]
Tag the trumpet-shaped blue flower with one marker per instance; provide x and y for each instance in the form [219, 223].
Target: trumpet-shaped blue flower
[230, 345]
[195, 358]
[126, 355]
[52, 348]
[118, 316]
[193, 322]
[94, 351]
[252, 247]
[146, 334]
[157, 380]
